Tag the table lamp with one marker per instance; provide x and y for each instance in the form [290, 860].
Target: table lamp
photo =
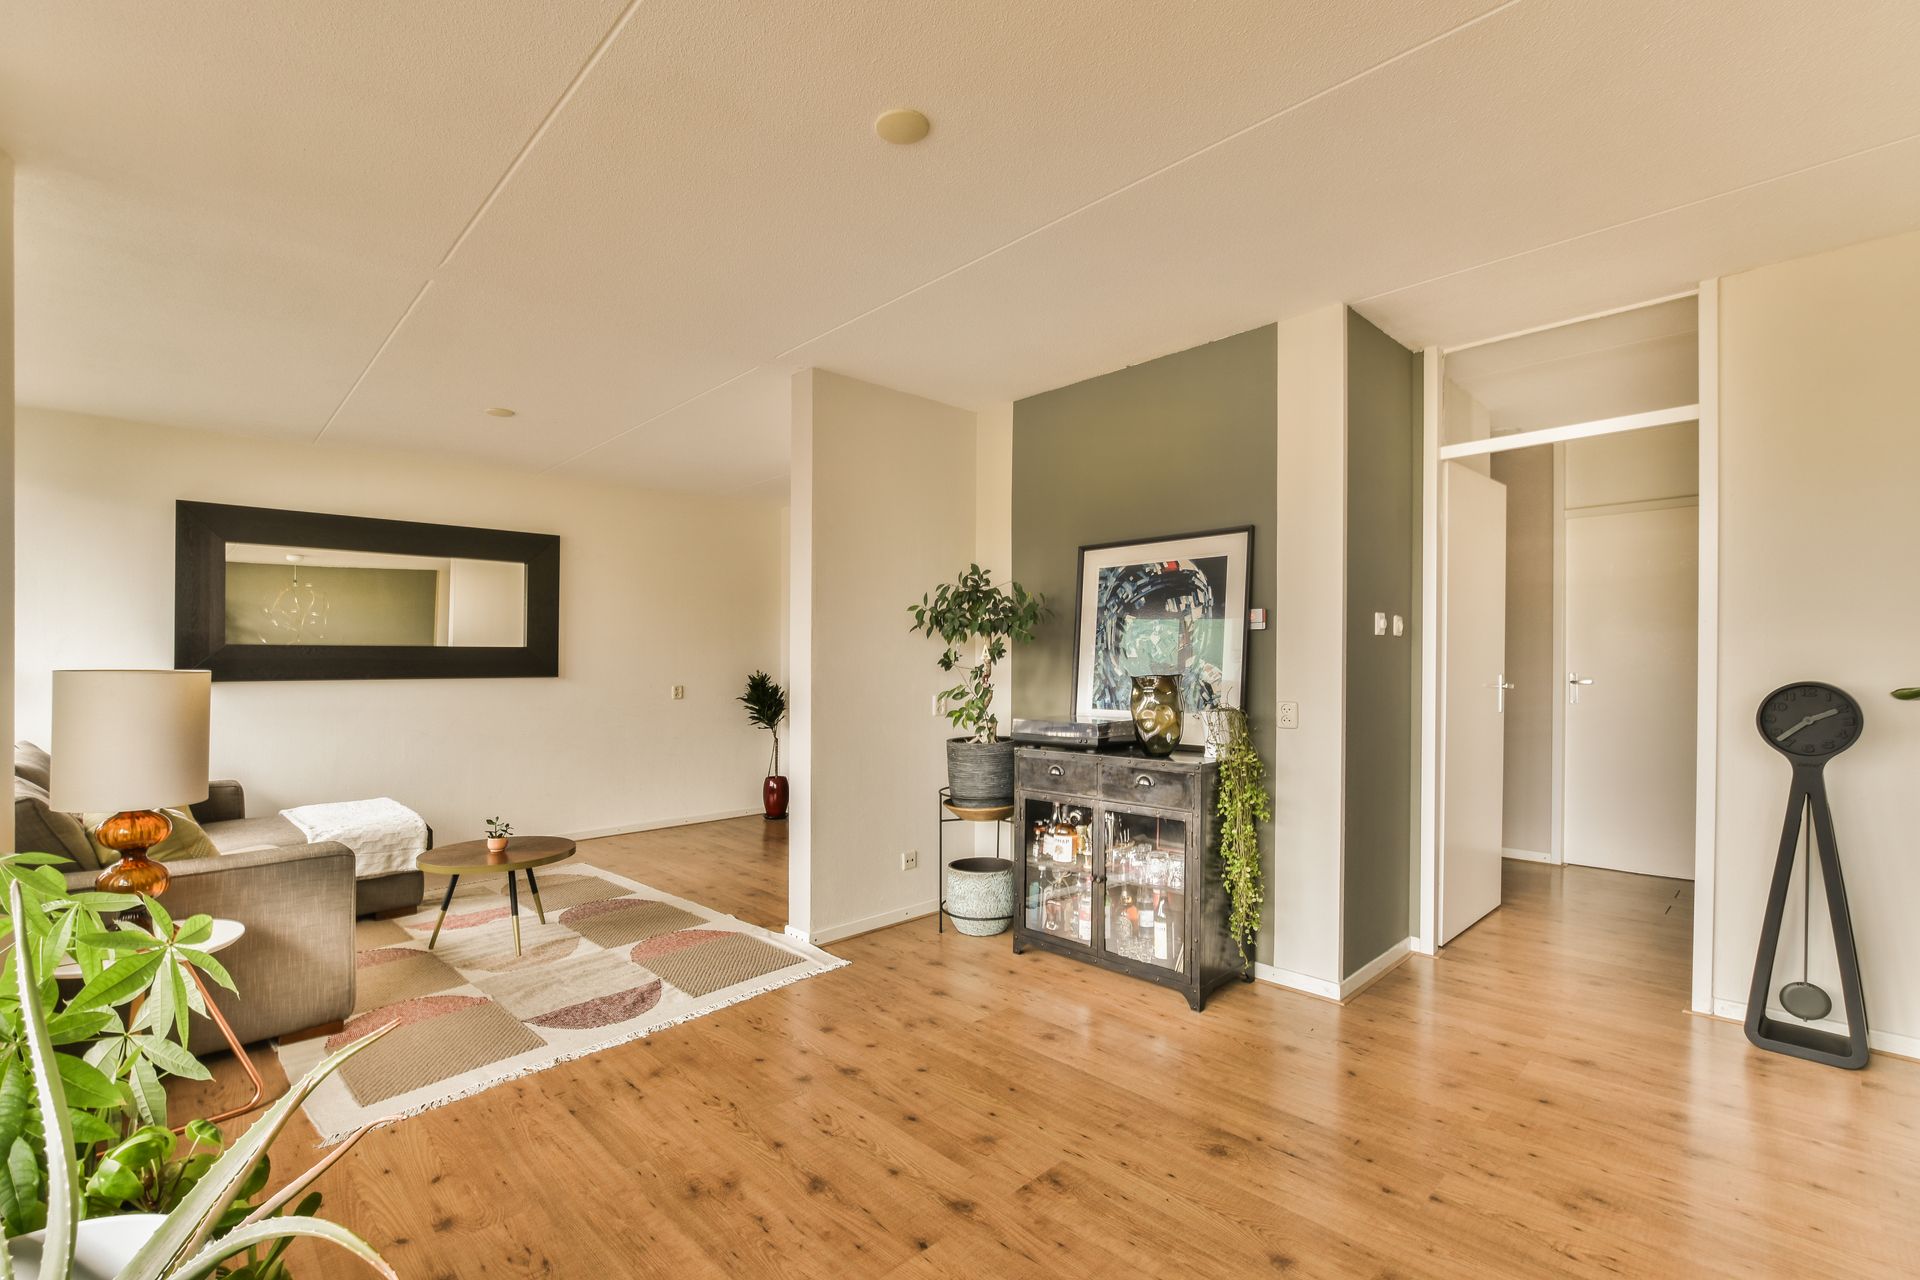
[130, 743]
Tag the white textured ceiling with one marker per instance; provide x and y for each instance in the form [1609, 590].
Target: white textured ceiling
[361, 222]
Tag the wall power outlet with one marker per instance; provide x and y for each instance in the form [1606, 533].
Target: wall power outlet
[1289, 715]
[910, 860]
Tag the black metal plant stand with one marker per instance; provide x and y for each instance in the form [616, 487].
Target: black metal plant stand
[947, 817]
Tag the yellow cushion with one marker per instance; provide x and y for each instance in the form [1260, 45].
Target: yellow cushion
[186, 842]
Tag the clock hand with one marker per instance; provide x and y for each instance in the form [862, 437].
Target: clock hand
[1812, 719]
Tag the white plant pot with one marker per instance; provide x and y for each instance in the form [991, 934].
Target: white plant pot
[104, 1246]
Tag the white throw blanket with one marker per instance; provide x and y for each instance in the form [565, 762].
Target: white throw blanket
[384, 834]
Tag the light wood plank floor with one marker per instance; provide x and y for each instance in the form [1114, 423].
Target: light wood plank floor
[1533, 1103]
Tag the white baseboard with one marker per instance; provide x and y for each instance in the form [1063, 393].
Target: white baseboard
[1287, 978]
[660, 824]
[1375, 969]
[1528, 855]
[1880, 1041]
[867, 924]
[1342, 991]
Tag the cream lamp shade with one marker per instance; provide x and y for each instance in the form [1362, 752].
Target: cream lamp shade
[129, 740]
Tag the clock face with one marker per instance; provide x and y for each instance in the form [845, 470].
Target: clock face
[1809, 721]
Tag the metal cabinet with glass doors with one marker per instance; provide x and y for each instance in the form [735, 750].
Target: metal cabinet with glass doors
[1118, 865]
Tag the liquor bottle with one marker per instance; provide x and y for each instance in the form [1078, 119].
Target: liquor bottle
[1162, 930]
[1146, 923]
[1059, 837]
[1086, 912]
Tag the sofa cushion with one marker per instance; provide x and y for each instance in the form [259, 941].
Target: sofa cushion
[271, 832]
[40, 828]
[33, 764]
[183, 844]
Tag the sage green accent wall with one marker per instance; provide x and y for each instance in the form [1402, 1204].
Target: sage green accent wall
[1177, 445]
[364, 605]
[1383, 461]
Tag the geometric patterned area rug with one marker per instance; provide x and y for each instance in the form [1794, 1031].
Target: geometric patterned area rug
[615, 960]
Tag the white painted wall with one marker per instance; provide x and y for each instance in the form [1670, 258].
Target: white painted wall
[1818, 456]
[6, 469]
[1633, 466]
[1309, 568]
[883, 510]
[656, 589]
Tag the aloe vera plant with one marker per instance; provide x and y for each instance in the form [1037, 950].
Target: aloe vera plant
[184, 1245]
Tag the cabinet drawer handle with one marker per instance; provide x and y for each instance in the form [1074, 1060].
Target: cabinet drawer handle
[1054, 771]
[1144, 780]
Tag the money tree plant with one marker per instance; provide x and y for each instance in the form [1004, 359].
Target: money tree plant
[200, 1236]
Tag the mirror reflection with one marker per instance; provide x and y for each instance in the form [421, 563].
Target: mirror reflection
[313, 595]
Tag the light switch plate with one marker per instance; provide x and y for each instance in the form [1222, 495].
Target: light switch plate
[679, 692]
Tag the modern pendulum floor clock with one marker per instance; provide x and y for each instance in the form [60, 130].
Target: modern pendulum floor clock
[1809, 724]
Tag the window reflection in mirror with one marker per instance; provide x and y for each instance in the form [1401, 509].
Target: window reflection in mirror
[311, 595]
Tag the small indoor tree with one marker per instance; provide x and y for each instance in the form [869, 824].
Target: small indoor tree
[972, 615]
[766, 704]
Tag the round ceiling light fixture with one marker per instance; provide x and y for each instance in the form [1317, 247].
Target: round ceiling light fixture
[902, 126]
[499, 413]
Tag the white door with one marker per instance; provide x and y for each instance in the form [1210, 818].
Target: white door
[1632, 606]
[1475, 657]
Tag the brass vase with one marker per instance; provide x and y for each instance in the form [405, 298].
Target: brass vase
[1156, 713]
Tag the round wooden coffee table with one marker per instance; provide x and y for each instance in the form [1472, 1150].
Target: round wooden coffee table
[470, 858]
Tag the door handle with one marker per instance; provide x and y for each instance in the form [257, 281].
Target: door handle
[1573, 685]
[1500, 686]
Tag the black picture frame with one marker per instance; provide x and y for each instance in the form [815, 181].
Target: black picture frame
[202, 531]
[1194, 732]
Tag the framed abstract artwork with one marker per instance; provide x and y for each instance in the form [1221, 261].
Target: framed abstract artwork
[1170, 606]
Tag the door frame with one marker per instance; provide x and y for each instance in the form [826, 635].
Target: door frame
[1432, 568]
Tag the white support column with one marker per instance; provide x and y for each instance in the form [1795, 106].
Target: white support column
[800, 662]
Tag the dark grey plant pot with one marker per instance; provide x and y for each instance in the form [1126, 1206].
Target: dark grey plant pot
[980, 774]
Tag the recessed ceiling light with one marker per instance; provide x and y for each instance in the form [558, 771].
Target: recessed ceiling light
[499, 413]
[902, 125]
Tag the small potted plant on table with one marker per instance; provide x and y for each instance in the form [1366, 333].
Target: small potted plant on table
[498, 833]
[766, 704]
[967, 612]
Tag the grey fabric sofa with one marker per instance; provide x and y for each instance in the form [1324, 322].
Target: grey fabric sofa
[223, 815]
[295, 966]
[299, 901]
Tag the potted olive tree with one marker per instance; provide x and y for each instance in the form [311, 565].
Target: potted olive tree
[973, 614]
[766, 704]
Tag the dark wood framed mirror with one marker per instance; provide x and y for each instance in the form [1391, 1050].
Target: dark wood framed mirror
[263, 594]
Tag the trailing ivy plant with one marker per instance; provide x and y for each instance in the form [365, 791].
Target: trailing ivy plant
[969, 611]
[1244, 804]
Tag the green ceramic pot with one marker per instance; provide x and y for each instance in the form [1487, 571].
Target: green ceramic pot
[1156, 713]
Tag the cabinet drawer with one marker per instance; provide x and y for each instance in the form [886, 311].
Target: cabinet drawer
[1131, 781]
[1079, 775]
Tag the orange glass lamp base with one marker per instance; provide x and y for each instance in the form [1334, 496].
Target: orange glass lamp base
[130, 834]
